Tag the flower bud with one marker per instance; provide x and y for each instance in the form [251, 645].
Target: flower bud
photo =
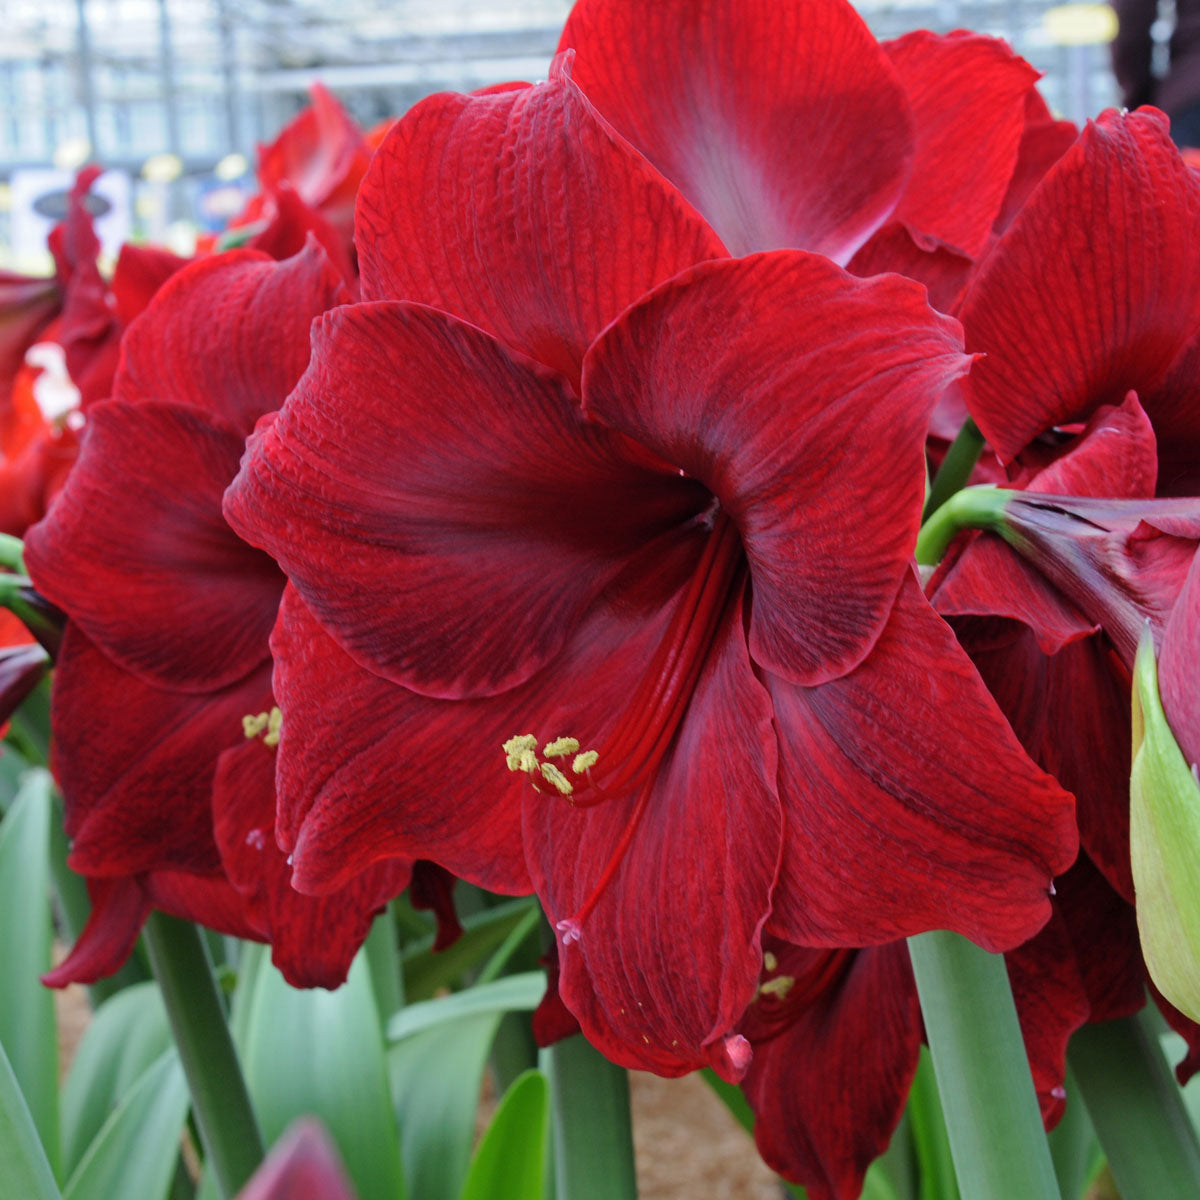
[1164, 834]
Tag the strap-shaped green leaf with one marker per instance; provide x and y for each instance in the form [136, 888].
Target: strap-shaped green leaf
[24, 1168]
[510, 1163]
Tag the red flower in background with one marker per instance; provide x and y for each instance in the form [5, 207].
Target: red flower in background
[519, 561]
[787, 124]
[168, 790]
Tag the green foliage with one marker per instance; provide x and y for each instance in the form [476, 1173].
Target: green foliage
[510, 1162]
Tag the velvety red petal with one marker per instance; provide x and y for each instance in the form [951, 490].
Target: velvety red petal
[670, 894]
[968, 96]
[1069, 320]
[209, 900]
[783, 123]
[451, 547]
[1043, 142]
[909, 803]
[552, 1019]
[137, 553]
[368, 770]
[944, 272]
[757, 376]
[136, 763]
[288, 229]
[1104, 942]
[1051, 1005]
[119, 910]
[303, 1163]
[27, 305]
[1177, 660]
[229, 335]
[1187, 1029]
[323, 154]
[522, 213]
[432, 889]
[21, 670]
[139, 274]
[1070, 711]
[313, 940]
[829, 1090]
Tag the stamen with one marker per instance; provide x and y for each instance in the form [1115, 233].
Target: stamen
[520, 753]
[269, 724]
[777, 987]
[589, 758]
[770, 962]
[274, 728]
[551, 774]
[561, 747]
[252, 725]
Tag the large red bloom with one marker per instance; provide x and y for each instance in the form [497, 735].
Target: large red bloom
[787, 125]
[641, 546]
[1070, 321]
[169, 796]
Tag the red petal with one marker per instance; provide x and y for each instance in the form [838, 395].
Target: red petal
[121, 747]
[313, 940]
[288, 229]
[1051, 1005]
[944, 272]
[697, 371]
[909, 803]
[229, 335]
[119, 910]
[368, 770]
[432, 889]
[1071, 713]
[323, 154]
[1043, 142]
[27, 306]
[450, 547]
[522, 213]
[669, 956]
[137, 553]
[829, 1090]
[968, 102]
[21, 670]
[1069, 320]
[1177, 661]
[784, 123]
[140, 273]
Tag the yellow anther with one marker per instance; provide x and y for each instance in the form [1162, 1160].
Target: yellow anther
[274, 728]
[551, 774]
[252, 725]
[585, 761]
[778, 987]
[519, 752]
[770, 962]
[561, 747]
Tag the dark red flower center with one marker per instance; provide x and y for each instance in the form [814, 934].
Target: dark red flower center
[629, 757]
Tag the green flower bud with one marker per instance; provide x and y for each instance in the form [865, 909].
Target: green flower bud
[1164, 840]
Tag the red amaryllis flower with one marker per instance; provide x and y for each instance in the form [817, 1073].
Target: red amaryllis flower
[1069, 322]
[162, 700]
[787, 124]
[303, 1163]
[486, 559]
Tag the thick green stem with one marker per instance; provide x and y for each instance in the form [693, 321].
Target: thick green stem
[992, 1116]
[956, 467]
[593, 1137]
[1136, 1109]
[228, 1128]
[972, 508]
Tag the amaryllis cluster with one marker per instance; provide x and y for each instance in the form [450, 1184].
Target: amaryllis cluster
[558, 535]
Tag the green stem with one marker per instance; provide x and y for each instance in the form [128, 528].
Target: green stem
[992, 1115]
[1137, 1110]
[228, 1128]
[593, 1137]
[12, 553]
[972, 508]
[956, 467]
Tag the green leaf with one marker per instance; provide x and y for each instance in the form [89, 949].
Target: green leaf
[991, 1109]
[936, 1179]
[513, 993]
[435, 1077]
[27, 1029]
[24, 1169]
[321, 1052]
[1136, 1108]
[510, 1162]
[1073, 1145]
[126, 1034]
[135, 1152]
[483, 933]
